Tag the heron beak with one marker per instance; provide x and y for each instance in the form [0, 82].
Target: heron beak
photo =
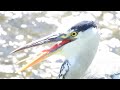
[45, 53]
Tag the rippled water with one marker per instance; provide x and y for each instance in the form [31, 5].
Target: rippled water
[18, 28]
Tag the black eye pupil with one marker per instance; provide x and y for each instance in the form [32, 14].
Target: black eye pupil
[73, 33]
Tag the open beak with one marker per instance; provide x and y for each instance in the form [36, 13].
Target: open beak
[45, 53]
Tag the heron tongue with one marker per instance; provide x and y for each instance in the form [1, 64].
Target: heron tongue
[57, 46]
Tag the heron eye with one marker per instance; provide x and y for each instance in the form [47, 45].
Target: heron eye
[73, 34]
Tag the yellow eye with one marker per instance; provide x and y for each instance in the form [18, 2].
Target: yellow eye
[73, 34]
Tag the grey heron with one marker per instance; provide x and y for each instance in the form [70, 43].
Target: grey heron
[78, 45]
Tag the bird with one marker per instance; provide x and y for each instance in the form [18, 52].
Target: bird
[78, 45]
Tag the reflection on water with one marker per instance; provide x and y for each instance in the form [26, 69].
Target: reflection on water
[19, 28]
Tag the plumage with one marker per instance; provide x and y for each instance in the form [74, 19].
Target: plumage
[64, 69]
[81, 52]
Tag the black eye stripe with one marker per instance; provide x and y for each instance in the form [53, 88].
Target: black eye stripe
[83, 26]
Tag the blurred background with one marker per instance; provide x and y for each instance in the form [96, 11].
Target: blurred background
[20, 27]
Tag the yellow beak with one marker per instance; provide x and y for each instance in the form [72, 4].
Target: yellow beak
[45, 54]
